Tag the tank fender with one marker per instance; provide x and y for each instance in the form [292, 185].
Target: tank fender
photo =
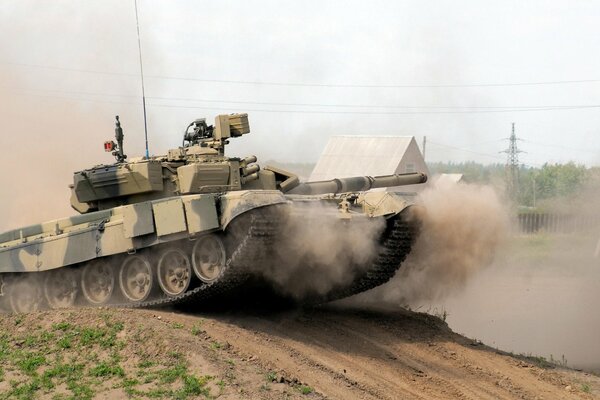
[236, 203]
[377, 204]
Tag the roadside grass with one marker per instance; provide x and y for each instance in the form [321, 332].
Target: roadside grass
[85, 359]
[540, 361]
[531, 247]
[586, 388]
[305, 390]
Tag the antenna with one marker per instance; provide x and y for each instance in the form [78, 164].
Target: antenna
[137, 22]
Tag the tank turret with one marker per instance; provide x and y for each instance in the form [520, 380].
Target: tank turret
[200, 166]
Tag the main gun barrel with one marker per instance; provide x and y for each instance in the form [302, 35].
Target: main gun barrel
[358, 183]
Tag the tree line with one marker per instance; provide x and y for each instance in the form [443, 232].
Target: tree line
[536, 185]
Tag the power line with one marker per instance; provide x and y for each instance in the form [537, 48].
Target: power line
[559, 146]
[383, 112]
[332, 105]
[466, 151]
[494, 156]
[392, 106]
[331, 112]
[310, 84]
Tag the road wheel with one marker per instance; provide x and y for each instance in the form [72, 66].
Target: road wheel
[208, 258]
[60, 288]
[97, 282]
[136, 279]
[174, 272]
[24, 294]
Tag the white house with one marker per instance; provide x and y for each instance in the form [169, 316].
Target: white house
[346, 156]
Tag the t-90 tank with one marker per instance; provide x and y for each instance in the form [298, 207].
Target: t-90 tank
[193, 225]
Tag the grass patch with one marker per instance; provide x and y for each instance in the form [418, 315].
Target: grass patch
[79, 359]
[104, 369]
[271, 376]
[305, 390]
[64, 342]
[29, 362]
[146, 364]
[193, 386]
[23, 390]
[62, 326]
[586, 388]
[196, 329]
[170, 375]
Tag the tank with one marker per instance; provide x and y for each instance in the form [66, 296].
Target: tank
[194, 225]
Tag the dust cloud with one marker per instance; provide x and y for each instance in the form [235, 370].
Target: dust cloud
[462, 228]
[541, 294]
[528, 293]
[320, 251]
[53, 122]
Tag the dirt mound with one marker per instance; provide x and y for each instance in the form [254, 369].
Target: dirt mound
[317, 353]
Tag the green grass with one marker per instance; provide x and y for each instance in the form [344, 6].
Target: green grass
[192, 386]
[146, 364]
[62, 326]
[196, 330]
[586, 388]
[105, 369]
[29, 362]
[271, 376]
[305, 390]
[86, 359]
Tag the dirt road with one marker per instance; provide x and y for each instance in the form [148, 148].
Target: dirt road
[362, 354]
[319, 353]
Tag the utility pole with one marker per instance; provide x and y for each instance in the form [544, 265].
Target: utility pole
[512, 165]
[424, 144]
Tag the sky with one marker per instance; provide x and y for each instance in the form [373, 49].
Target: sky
[457, 73]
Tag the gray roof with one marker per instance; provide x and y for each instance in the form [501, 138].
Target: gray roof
[346, 156]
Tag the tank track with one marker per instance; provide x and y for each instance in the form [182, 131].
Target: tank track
[396, 243]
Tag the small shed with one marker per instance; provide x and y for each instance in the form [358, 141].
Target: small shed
[346, 156]
[449, 178]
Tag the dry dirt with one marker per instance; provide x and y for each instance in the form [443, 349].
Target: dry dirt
[328, 352]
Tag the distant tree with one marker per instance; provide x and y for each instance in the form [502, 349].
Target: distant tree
[549, 181]
[559, 180]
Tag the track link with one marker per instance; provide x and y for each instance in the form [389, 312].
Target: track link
[396, 243]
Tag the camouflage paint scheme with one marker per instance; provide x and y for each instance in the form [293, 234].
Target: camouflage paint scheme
[125, 229]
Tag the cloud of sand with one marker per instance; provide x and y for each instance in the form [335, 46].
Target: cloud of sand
[462, 227]
[49, 127]
[320, 251]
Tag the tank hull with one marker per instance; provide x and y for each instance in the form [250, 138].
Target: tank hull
[188, 250]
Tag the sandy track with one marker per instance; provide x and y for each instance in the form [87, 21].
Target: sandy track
[318, 353]
[362, 354]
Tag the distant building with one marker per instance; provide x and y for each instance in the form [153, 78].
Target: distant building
[448, 178]
[346, 156]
